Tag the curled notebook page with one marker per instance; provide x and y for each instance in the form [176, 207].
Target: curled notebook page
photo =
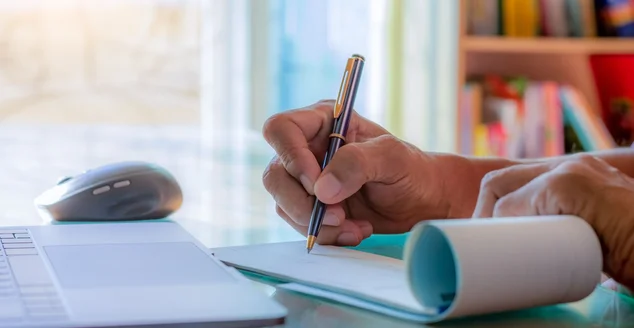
[451, 268]
[481, 266]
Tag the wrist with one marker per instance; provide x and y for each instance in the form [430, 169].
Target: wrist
[460, 178]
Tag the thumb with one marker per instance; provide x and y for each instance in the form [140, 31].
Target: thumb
[356, 164]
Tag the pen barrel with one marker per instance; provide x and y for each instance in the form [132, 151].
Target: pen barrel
[333, 146]
[342, 115]
[342, 121]
[316, 218]
[319, 209]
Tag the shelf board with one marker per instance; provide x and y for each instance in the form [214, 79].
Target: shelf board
[548, 45]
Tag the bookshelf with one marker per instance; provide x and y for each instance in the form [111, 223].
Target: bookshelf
[559, 59]
[546, 45]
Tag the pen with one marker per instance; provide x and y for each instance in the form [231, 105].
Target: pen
[342, 112]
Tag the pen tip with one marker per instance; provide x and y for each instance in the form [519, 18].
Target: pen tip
[310, 243]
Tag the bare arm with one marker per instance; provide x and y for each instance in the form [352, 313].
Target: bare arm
[464, 174]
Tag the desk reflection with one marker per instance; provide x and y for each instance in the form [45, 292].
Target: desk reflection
[603, 308]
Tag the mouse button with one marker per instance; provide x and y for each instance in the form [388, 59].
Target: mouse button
[101, 190]
[121, 184]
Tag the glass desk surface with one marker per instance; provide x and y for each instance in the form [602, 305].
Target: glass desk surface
[226, 205]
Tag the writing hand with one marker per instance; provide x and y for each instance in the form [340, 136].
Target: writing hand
[375, 183]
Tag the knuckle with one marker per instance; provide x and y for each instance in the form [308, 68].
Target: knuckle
[325, 102]
[268, 176]
[502, 207]
[569, 167]
[289, 160]
[394, 148]
[391, 143]
[280, 212]
[355, 152]
[389, 140]
[542, 195]
[556, 183]
[490, 179]
[587, 161]
[272, 124]
[585, 158]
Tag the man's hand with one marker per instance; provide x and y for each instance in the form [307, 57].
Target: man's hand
[374, 183]
[582, 185]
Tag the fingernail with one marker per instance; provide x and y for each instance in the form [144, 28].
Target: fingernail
[308, 185]
[328, 186]
[331, 219]
[347, 238]
[366, 228]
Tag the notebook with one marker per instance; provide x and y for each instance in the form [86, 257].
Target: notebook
[450, 268]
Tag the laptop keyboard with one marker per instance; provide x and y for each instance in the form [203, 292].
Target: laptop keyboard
[27, 292]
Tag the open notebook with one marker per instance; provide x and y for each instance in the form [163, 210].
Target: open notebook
[451, 268]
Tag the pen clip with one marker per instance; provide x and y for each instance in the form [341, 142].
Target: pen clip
[343, 89]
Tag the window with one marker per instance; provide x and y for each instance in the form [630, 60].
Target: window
[188, 84]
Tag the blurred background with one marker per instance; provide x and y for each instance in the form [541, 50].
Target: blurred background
[188, 84]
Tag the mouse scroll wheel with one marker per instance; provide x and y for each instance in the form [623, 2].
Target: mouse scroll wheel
[63, 179]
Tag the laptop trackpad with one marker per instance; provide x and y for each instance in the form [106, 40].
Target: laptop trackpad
[118, 265]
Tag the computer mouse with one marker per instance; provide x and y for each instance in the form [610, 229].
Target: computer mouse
[113, 192]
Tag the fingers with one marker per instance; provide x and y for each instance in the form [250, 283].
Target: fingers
[348, 233]
[355, 164]
[548, 194]
[519, 202]
[496, 184]
[289, 134]
[293, 200]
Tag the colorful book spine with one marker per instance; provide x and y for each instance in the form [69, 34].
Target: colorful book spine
[588, 127]
[516, 118]
[554, 142]
[464, 120]
[520, 18]
[615, 17]
[483, 17]
[481, 138]
[534, 121]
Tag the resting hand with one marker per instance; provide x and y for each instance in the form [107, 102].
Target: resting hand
[374, 183]
[582, 185]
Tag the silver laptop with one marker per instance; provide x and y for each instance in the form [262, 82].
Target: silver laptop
[122, 274]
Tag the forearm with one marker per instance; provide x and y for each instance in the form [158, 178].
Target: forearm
[462, 175]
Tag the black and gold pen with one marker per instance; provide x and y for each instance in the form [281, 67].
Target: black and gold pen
[342, 113]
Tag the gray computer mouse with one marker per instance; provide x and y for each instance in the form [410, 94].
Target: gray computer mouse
[113, 192]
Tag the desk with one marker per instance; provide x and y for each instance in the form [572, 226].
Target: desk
[225, 205]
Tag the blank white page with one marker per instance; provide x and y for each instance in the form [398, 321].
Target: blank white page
[367, 276]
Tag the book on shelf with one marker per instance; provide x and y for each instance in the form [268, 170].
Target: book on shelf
[521, 118]
[553, 18]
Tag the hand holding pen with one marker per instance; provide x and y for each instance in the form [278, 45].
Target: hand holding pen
[376, 183]
[342, 112]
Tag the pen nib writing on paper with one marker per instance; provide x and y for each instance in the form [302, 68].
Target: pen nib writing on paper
[309, 244]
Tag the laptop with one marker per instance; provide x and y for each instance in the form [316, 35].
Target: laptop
[145, 273]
